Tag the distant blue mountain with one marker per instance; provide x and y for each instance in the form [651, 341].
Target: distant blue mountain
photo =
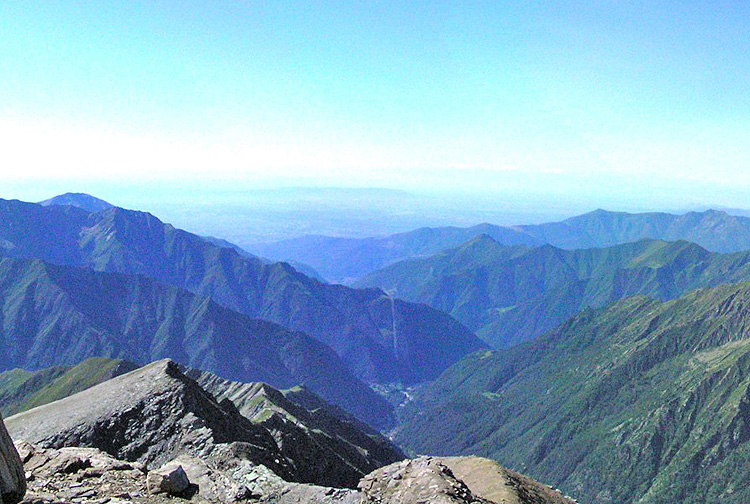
[80, 200]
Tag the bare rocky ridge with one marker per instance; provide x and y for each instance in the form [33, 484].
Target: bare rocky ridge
[155, 413]
[454, 480]
[308, 430]
[12, 481]
[493, 482]
[148, 416]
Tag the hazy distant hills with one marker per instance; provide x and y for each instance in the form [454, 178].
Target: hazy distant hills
[513, 294]
[381, 339]
[79, 200]
[642, 402]
[346, 260]
[57, 315]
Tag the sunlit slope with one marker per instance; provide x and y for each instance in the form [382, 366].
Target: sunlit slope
[643, 402]
[513, 294]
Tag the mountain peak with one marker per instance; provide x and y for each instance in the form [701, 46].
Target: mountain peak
[712, 212]
[482, 239]
[80, 200]
[162, 400]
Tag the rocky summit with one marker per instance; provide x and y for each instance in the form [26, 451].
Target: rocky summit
[148, 416]
[156, 412]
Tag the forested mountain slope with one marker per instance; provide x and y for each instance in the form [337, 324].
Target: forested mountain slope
[513, 294]
[643, 402]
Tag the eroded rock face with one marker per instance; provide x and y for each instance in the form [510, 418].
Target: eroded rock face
[12, 480]
[328, 446]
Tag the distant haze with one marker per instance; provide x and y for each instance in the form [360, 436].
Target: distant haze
[249, 217]
[546, 107]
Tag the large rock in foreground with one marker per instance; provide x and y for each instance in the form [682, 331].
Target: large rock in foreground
[12, 481]
[454, 480]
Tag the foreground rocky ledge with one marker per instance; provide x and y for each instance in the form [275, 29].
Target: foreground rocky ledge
[78, 475]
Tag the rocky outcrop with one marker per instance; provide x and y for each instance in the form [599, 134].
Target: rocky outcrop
[335, 448]
[12, 481]
[421, 480]
[156, 413]
[148, 416]
[454, 480]
[489, 480]
[169, 479]
[82, 475]
[89, 475]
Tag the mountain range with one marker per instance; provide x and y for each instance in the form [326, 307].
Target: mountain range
[349, 259]
[512, 294]
[380, 338]
[641, 402]
[621, 368]
[60, 315]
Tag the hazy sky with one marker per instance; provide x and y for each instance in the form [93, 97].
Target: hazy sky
[610, 103]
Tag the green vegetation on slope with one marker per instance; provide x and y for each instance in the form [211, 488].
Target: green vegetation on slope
[513, 294]
[643, 402]
[21, 390]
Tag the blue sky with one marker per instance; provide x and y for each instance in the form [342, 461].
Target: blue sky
[609, 104]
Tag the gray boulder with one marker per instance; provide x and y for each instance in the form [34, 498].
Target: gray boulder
[169, 479]
[12, 479]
